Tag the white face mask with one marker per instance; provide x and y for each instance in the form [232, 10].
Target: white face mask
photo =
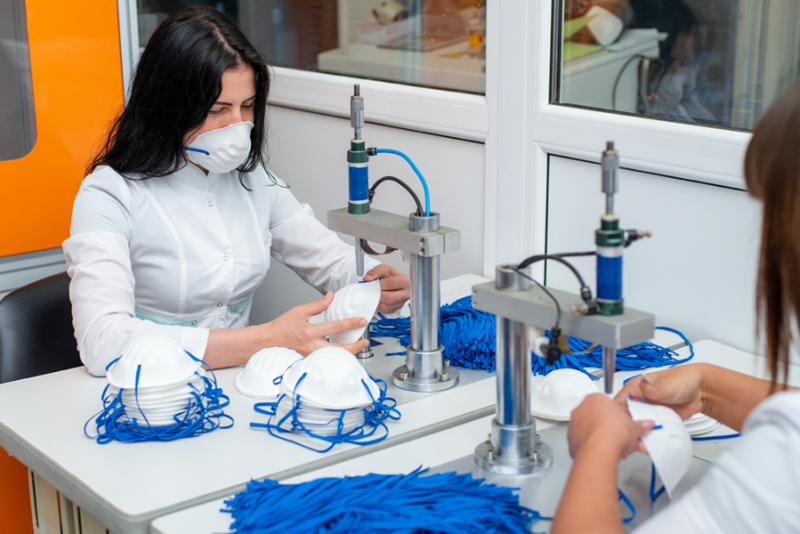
[221, 150]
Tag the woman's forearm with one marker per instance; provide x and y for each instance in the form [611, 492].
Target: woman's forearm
[729, 397]
[233, 346]
[590, 503]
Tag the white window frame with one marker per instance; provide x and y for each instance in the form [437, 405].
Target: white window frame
[434, 111]
[515, 120]
[698, 153]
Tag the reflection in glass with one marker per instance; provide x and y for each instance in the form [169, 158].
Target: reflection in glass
[434, 43]
[713, 62]
[17, 118]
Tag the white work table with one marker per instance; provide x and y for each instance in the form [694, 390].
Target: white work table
[126, 485]
[451, 450]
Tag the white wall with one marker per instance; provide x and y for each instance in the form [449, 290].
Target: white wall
[698, 271]
[309, 150]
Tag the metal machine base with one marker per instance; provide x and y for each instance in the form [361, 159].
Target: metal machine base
[425, 372]
[366, 353]
[540, 461]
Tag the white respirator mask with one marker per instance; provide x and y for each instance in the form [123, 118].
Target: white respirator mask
[221, 150]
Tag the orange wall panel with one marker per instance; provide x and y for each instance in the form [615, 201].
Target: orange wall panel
[77, 92]
[15, 502]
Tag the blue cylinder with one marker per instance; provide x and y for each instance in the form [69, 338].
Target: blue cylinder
[359, 182]
[609, 277]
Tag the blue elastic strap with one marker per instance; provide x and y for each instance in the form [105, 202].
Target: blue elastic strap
[629, 504]
[653, 493]
[715, 438]
[416, 170]
[197, 150]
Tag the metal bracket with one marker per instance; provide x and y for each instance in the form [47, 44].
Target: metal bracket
[392, 230]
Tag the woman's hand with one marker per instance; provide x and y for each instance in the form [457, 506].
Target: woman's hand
[293, 330]
[395, 287]
[601, 433]
[602, 422]
[680, 388]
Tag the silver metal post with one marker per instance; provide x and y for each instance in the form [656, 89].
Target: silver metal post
[357, 111]
[426, 299]
[425, 368]
[609, 163]
[609, 366]
[365, 353]
[513, 448]
[359, 258]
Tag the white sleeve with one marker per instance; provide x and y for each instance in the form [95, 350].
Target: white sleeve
[103, 306]
[315, 253]
[99, 264]
[753, 487]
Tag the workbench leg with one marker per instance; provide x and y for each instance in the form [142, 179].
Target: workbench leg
[86, 524]
[44, 503]
[52, 513]
[68, 525]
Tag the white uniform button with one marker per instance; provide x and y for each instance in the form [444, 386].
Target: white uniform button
[219, 304]
[210, 203]
[225, 258]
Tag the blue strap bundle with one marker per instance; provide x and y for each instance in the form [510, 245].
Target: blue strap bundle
[289, 426]
[468, 335]
[202, 414]
[642, 356]
[469, 339]
[377, 504]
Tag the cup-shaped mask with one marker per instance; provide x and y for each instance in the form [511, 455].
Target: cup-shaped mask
[670, 446]
[258, 378]
[162, 361]
[221, 150]
[560, 392]
[356, 300]
[333, 379]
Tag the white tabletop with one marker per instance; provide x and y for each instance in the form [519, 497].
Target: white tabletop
[452, 448]
[126, 485]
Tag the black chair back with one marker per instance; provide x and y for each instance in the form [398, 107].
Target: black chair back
[36, 334]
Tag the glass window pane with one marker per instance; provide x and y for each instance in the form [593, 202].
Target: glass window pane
[433, 43]
[712, 62]
[17, 117]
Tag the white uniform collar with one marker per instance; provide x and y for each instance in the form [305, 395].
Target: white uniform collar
[192, 176]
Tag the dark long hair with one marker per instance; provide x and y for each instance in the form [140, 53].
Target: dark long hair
[178, 79]
[772, 173]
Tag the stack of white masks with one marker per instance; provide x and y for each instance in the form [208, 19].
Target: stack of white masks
[699, 424]
[260, 378]
[158, 392]
[356, 300]
[560, 392]
[331, 397]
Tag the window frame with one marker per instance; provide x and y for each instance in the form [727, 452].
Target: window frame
[691, 152]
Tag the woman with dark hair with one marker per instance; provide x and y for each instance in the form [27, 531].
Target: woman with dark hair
[754, 487]
[173, 228]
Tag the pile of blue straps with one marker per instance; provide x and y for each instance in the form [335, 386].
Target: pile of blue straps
[417, 502]
[469, 339]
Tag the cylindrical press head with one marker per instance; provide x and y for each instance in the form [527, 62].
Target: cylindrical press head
[610, 164]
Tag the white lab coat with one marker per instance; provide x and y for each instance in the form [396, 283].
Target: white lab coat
[182, 254]
[753, 487]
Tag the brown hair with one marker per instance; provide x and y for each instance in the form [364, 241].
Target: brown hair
[772, 174]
